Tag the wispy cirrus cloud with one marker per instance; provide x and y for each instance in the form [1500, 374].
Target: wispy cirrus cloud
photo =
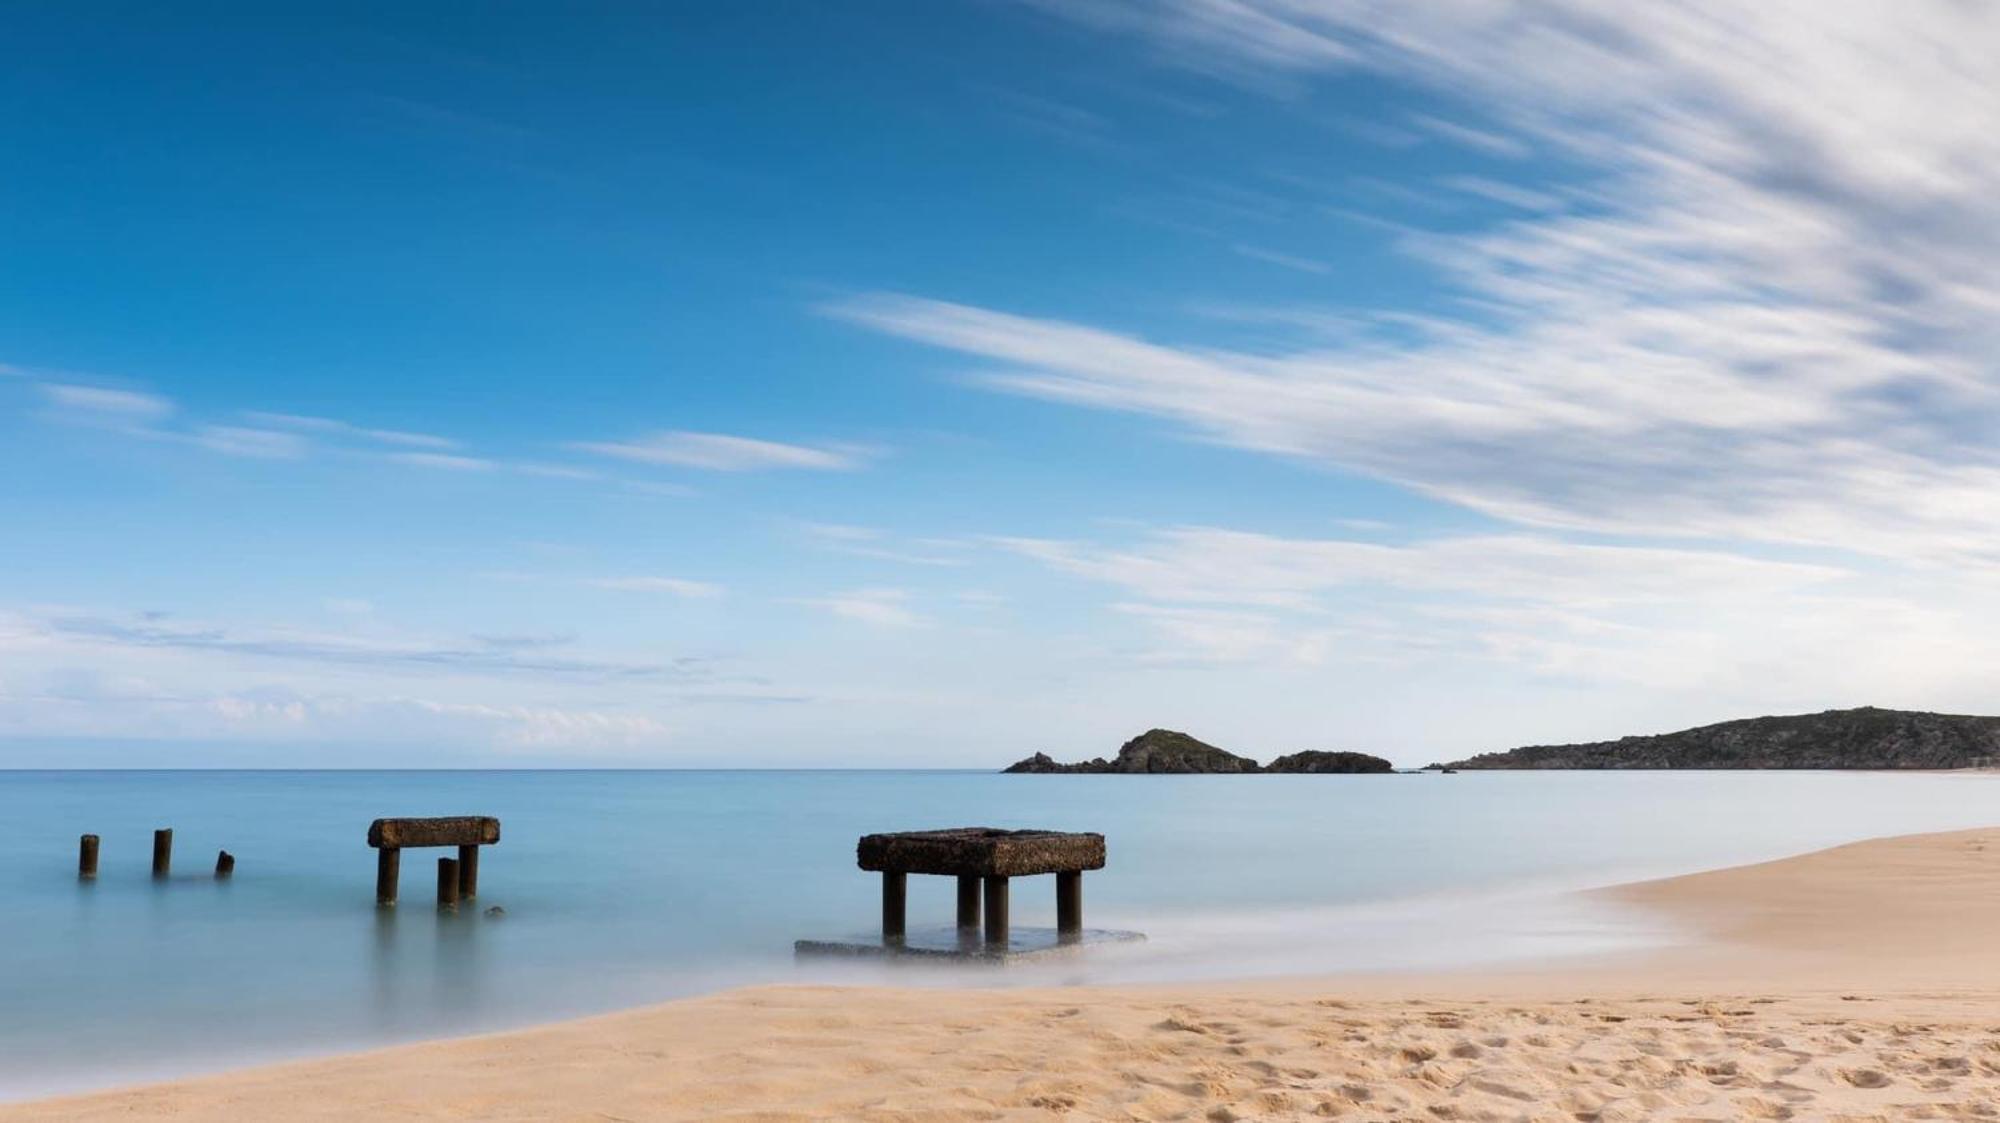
[675, 586]
[265, 435]
[77, 673]
[256, 434]
[1483, 140]
[105, 404]
[1707, 622]
[446, 461]
[1508, 194]
[723, 452]
[237, 440]
[872, 542]
[154, 632]
[875, 607]
[107, 706]
[334, 427]
[1219, 566]
[1769, 314]
[1279, 258]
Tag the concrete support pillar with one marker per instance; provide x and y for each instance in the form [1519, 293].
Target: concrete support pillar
[388, 864]
[996, 912]
[163, 852]
[968, 902]
[447, 883]
[1069, 904]
[895, 904]
[468, 872]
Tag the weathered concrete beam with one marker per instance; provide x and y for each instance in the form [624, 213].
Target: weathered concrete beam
[451, 830]
[981, 852]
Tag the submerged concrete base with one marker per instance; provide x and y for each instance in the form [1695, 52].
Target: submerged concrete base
[958, 945]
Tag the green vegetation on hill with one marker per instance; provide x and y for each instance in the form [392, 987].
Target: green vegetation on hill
[1859, 738]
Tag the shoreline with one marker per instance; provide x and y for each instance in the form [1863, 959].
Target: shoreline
[1790, 1003]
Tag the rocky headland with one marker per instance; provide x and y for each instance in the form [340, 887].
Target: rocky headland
[1866, 737]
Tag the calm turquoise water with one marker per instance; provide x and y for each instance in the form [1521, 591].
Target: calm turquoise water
[627, 887]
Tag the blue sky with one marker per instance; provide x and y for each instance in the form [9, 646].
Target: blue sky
[823, 385]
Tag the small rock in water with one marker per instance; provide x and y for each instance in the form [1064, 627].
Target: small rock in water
[496, 910]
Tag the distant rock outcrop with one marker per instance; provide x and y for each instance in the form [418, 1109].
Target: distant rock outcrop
[1860, 738]
[1314, 760]
[1165, 751]
[1156, 750]
[1043, 762]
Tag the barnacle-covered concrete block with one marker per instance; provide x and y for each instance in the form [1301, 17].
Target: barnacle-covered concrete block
[981, 852]
[450, 830]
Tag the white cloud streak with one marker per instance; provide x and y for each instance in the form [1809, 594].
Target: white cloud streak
[1211, 565]
[869, 542]
[1280, 259]
[875, 607]
[333, 427]
[445, 461]
[129, 407]
[1490, 143]
[722, 452]
[262, 444]
[675, 586]
[149, 632]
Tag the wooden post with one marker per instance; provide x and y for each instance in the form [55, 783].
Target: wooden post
[968, 902]
[1069, 904]
[447, 883]
[996, 912]
[468, 872]
[86, 857]
[163, 851]
[895, 898]
[225, 863]
[388, 863]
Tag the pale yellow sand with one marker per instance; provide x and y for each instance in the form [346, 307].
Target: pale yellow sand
[1858, 983]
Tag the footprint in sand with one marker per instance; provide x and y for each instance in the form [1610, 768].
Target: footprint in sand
[1865, 1077]
[1754, 1108]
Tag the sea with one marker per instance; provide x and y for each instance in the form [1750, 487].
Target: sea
[612, 889]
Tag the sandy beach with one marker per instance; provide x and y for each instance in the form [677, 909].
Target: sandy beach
[1860, 983]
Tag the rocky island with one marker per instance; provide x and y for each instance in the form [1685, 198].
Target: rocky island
[1316, 760]
[1866, 737]
[1165, 751]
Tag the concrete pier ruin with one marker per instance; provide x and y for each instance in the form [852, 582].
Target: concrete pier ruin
[390, 837]
[984, 860]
